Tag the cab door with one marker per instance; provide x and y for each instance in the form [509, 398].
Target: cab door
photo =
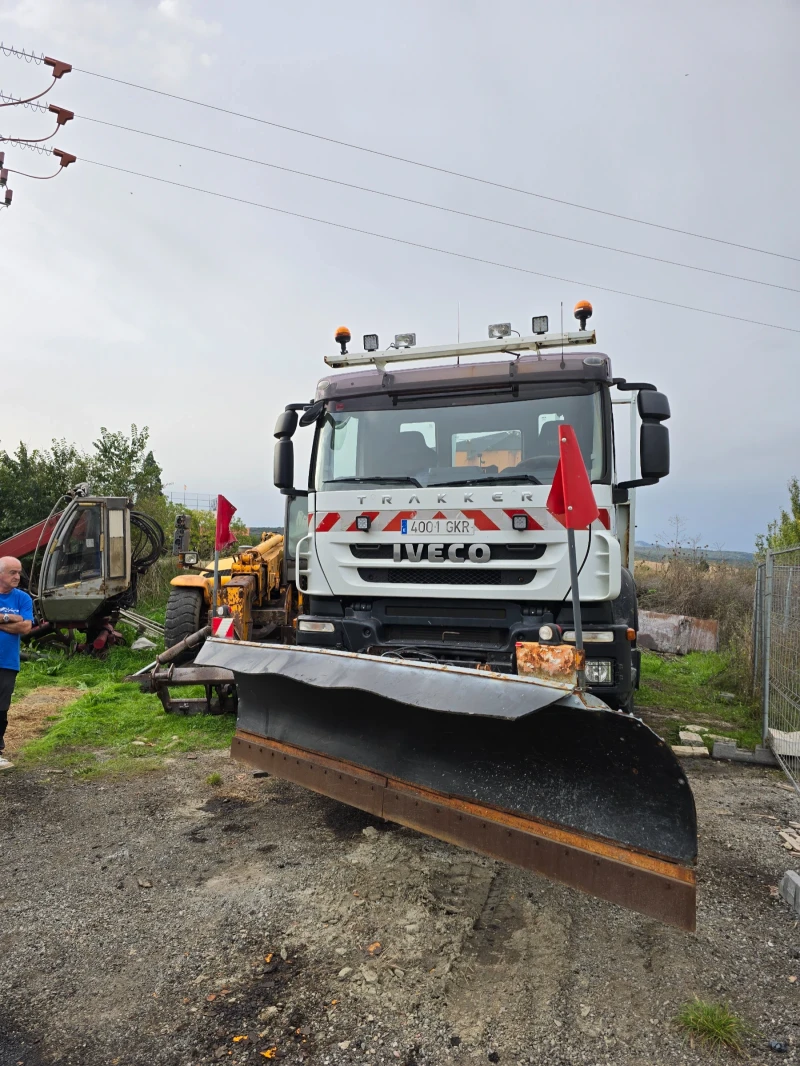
[87, 561]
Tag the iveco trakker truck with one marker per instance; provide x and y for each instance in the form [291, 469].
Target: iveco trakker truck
[428, 670]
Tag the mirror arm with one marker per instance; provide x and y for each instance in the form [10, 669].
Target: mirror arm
[630, 386]
[636, 484]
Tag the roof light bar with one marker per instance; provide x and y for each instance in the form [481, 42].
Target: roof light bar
[491, 347]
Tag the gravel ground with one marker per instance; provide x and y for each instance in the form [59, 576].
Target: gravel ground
[159, 920]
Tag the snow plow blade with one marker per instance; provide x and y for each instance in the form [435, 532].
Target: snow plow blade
[524, 771]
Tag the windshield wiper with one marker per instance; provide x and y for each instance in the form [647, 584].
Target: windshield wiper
[378, 480]
[492, 479]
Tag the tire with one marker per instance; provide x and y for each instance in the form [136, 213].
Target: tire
[184, 617]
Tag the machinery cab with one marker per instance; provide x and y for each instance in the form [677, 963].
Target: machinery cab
[87, 560]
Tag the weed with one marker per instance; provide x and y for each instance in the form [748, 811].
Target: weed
[110, 715]
[693, 685]
[714, 1025]
[214, 779]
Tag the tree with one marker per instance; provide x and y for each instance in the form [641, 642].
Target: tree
[122, 467]
[784, 532]
[31, 482]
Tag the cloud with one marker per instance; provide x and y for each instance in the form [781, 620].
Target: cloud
[179, 13]
[161, 37]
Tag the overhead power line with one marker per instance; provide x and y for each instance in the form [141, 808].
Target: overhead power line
[433, 167]
[435, 207]
[432, 248]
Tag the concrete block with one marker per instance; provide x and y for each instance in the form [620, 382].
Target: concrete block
[727, 749]
[789, 889]
[697, 728]
[686, 736]
[684, 750]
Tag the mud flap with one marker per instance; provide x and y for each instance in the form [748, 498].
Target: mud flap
[520, 770]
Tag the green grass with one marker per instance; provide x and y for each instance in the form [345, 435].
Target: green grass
[714, 1025]
[690, 685]
[214, 780]
[112, 727]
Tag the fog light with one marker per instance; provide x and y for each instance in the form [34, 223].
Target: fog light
[307, 626]
[405, 340]
[547, 633]
[363, 522]
[499, 330]
[190, 558]
[598, 636]
[599, 671]
[519, 521]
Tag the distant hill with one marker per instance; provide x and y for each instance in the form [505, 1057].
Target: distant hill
[655, 553]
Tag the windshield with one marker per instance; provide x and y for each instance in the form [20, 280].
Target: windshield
[463, 443]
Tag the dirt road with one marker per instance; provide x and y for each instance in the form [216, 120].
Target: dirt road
[162, 921]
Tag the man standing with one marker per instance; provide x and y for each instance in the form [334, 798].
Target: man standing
[16, 620]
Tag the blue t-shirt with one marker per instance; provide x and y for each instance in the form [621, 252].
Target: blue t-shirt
[14, 602]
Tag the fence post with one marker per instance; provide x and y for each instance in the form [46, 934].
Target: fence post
[755, 636]
[767, 633]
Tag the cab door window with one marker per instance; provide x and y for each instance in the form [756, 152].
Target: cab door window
[78, 556]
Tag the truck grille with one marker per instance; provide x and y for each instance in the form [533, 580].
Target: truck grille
[514, 553]
[431, 575]
[444, 635]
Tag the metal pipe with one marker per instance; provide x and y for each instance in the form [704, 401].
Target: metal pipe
[576, 609]
[184, 645]
[632, 492]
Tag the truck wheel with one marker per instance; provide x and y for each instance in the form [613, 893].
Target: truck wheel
[184, 617]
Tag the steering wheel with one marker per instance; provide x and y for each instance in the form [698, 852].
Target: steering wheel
[546, 463]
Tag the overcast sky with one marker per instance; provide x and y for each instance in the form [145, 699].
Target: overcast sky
[128, 301]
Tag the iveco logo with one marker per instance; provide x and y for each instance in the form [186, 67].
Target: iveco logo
[437, 553]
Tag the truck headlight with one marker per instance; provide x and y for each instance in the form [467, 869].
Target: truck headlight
[307, 626]
[596, 636]
[599, 671]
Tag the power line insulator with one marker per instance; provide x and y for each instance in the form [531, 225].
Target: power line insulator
[62, 115]
[59, 68]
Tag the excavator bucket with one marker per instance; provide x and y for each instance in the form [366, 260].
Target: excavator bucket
[524, 770]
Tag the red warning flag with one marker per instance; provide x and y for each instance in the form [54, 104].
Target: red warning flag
[571, 499]
[225, 512]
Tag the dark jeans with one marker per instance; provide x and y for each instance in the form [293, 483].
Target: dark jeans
[8, 679]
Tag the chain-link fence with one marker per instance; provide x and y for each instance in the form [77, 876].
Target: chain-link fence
[776, 655]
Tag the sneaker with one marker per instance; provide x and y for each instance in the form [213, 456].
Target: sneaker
[5, 764]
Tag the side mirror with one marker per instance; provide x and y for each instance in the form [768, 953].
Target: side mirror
[312, 413]
[653, 405]
[653, 450]
[286, 424]
[283, 464]
[653, 438]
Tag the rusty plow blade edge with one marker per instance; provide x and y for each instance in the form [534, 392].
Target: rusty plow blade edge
[581, 794]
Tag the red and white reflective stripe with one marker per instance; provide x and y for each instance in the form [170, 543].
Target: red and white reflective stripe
[486, 520]
[328, 521]
[223, 628]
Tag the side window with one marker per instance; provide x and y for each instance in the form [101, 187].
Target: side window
[344, 443]
[78, 556]
[502, 449]
[296, 523]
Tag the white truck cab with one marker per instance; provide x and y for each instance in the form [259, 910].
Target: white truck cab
[423, 531]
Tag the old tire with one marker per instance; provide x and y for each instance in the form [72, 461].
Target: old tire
[184, 617]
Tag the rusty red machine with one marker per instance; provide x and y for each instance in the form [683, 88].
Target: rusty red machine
[84, 565]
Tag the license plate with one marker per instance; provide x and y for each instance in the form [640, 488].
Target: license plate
[436, 527]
